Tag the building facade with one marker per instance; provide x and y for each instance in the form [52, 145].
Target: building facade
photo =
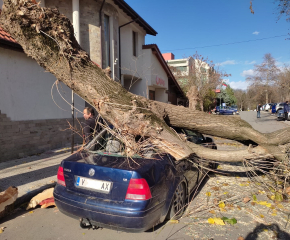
[187, 68]
[35, 109]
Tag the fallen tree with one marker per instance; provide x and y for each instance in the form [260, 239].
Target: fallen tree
[47, 36]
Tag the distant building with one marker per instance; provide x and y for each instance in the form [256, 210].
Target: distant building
[185, 68]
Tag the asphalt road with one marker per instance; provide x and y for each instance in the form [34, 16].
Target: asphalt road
[267, 123]
[46, 224]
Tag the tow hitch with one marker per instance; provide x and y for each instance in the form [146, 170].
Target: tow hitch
[86, 224]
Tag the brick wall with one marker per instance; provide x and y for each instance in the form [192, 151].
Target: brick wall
[23, 138]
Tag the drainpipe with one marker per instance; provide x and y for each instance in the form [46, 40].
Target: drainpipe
[76, 19]
[76, 25]
[100, 20]
[120, 73]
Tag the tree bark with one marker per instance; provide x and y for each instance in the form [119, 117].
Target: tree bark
[193, 98]
[47, 36]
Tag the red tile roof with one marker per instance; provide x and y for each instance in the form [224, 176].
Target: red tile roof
[6, 36]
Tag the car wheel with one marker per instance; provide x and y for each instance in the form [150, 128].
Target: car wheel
[178, 203]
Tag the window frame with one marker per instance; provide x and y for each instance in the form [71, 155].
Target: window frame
[135, 43]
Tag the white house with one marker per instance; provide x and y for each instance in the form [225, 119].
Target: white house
[34, 110]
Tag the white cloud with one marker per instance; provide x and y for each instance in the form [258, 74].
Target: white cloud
[228, 62]
[249, 72]
[239, 85]
[250, 63]
[256, 33]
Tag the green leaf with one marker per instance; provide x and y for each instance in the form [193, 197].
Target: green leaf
[278, 197]
[254, 197]
[231, 221]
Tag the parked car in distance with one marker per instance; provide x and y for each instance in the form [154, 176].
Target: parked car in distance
[279, 106]
[103, 188]
[267, 106]
[281, 116]
[226, 111]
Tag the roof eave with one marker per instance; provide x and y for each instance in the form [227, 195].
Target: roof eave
[130, 12]
[10, 44]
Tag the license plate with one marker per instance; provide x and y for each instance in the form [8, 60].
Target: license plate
[102, 186]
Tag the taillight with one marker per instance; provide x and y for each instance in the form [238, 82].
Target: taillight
[138, 189]
[60, 176]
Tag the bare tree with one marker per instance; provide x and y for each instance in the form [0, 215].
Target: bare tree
[241, 97]
[283, 82]
[265, 75]
[199, 81]
[47, 36]
[284, 8]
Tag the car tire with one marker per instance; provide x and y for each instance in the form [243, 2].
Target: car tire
[177, 206]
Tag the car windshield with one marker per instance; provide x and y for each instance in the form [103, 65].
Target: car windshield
[192, 136]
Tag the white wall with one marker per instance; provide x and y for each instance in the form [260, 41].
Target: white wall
[25, 90]
[130, 64]
[1, 3]
[158, 72]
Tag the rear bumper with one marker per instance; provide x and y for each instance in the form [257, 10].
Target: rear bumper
[113, 215]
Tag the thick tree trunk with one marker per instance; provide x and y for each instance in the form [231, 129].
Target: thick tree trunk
[193, 98]
[47, 37]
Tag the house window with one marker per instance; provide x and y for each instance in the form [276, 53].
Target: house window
[135, 41]
[107, 49]
[151, 95]
[176, 62]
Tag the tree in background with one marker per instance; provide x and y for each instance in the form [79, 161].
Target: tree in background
[284, 8]
[209, 100]
[241, 97]
[227, 95]
[284, 83]
[200, 82]
[265, 75]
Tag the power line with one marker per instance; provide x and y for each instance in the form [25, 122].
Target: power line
[223, 44]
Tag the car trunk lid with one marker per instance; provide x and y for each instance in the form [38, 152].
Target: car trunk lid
[105, 176]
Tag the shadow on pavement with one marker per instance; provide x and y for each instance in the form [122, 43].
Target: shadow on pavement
[30, 159]
[281, 235]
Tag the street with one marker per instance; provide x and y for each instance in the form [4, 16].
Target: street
[267, 123]
[254, 221]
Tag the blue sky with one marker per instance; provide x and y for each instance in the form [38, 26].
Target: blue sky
[187, 26]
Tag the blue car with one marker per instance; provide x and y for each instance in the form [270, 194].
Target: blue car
[226, 111]
[102, 188]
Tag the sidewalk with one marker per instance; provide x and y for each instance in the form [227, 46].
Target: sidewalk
[31, 175]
